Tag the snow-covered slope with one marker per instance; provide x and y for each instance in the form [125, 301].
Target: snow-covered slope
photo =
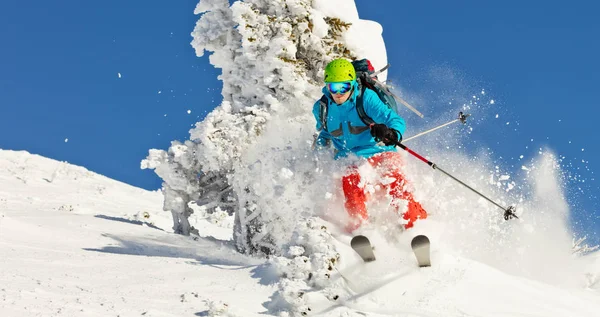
[75, 243]
[453, 286]
[34, 182]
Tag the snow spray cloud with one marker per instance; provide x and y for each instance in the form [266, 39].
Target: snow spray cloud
[539, 244]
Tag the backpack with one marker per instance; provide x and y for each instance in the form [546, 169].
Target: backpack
[366, 77]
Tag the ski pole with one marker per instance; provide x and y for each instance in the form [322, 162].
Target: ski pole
[461, 117]
[508, 212]
[380, 71]
[402, 101]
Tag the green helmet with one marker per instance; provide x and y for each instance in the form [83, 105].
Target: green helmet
[339, 70]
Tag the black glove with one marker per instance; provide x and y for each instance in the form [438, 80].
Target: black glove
[382, 133]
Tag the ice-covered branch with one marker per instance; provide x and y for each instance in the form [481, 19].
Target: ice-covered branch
[579, 248]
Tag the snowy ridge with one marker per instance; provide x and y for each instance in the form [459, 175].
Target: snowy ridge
[38, 179]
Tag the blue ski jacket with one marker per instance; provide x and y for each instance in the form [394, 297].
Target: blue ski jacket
[346, 130]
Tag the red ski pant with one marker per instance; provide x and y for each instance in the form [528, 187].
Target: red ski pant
[389, 163]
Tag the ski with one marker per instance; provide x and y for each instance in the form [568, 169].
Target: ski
[420, 246]
[362, 246]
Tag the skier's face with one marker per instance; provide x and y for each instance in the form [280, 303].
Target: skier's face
[340, 92]
[341, 98]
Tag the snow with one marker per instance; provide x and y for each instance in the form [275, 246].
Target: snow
[364, 37]
[75, 243]
[361, 40]
[344, 10]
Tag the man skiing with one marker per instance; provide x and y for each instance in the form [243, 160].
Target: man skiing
[342, 126]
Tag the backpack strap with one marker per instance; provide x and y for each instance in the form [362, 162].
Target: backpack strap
[323, 111]
[360, 107]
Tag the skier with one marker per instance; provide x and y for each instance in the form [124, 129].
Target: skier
[349, 135]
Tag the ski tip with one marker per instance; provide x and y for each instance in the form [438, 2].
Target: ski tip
[420, 245]
[362, 246]
[360, 239]
[418, 240]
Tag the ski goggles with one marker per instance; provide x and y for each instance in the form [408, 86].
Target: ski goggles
[339, 88]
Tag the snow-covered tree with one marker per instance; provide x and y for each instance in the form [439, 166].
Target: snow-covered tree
[271, 53]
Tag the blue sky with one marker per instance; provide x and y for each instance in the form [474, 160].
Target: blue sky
[60, 64]
[59, 80]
